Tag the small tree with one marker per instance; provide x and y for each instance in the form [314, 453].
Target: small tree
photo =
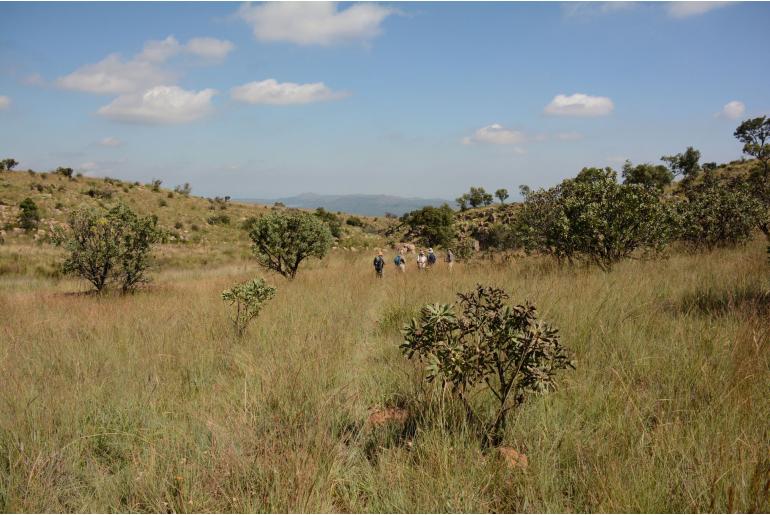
[652, 176]
[331, 220]
[184, 189]
[247, 298]
[8, 164]
[155, 185]
[596, 218]
[29, 214]
[66, 172]
[462, 202]
[502, 195]
[137, 235]
[684, 164]
[755, 136]
[281, 241]
[488, 345]
[105, 245]
[433, 225]
[718, 212]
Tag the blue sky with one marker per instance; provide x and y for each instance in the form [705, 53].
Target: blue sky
[415, 99]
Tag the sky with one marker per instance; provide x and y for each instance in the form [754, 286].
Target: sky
[414, 99]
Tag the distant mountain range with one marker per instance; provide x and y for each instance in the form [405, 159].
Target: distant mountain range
[368, 205]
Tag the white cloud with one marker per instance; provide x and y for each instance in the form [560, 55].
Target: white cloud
[110, 142]
[314, 23]
[569, 136]
[496, 134]
[159, 51]
[579, 104]
[732, 110]
[283, 93]
[592, 9]
[114, 75]
[4, 102]
[209, 48]
[160, 105]
[687, 9]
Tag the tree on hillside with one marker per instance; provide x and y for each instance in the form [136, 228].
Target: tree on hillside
[653, 176]
[8, 164]
[755, 136]
[66, 172]
[684, 164]
[717, 212]
[29, 214]
[185, 189]
[433, 225]
[591, 174]
[281, 241]
[502, 195]
[462, 202]
[106, 246]
[595, 218]
[331, 220]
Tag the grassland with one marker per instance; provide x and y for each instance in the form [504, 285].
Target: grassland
[148, 403]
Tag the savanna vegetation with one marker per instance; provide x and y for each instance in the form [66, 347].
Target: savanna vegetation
[260, 366]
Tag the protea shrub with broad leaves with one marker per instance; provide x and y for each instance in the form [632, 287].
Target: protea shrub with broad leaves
[483, 343]
[247, 300]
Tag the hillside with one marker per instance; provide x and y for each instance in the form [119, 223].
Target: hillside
[369, 205]
[199, 231]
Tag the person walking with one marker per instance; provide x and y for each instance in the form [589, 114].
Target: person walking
[379, 265]
[421, 260]
[450, 259]
[431, 258]
[400, 262]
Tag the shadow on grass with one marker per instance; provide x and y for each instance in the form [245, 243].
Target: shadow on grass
[750, 300]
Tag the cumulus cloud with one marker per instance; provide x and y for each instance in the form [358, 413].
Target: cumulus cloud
[284, 93]
[496, 134]
[314, 23]
[732, 110]
[115, 75]
[110, 142]
[209, 48]
[4, 102]
[687, 9]
[579, 104]
[160, 105]
[34, 79]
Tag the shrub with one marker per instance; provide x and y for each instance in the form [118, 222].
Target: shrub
[653, 176]
[66, 172]
[155, 185]
[354, 221]
[247, 298]
[595, 218]
[433, 225]
[29, 214]
[162, 202]
[717, 212]
[221, 219]
[178, 225]
[98, 193]
[8, 164]
[108, 245]
[490, 346]
[281, 241]
[184, 189]
[331, 220]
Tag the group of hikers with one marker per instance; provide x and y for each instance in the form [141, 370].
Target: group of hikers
[425, 260]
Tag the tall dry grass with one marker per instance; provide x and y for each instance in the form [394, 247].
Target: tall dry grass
[149, 403]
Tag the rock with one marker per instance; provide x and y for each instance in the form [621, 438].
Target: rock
[381, 416]
[513, 458]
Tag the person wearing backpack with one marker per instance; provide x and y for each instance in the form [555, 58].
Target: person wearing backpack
[421, 260]
[450, 258]
[379, 265]
[400, 262]
[431, 258]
